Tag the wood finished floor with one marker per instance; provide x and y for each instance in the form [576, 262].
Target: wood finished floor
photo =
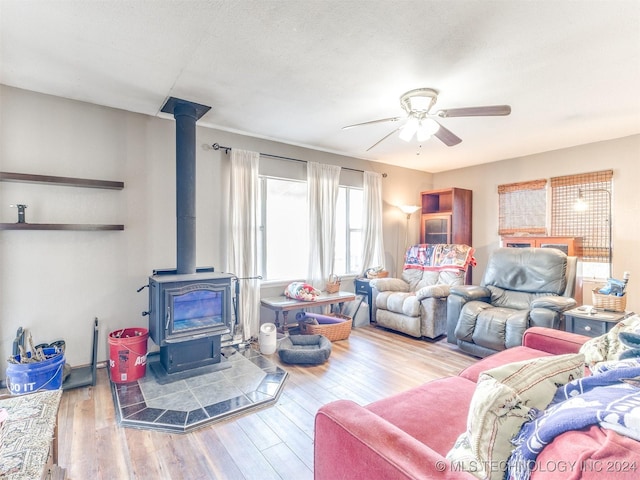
[272, 443]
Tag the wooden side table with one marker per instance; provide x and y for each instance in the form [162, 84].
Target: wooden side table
[285, 305]
[579, 320]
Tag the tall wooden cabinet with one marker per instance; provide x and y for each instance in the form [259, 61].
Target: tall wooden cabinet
[446, 216]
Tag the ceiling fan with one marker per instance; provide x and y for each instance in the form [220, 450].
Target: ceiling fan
[422, 123]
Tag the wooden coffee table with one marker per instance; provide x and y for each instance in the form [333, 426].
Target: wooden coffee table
[285, 304]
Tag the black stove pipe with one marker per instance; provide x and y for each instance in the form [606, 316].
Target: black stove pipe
[186, 115]
[186, 187]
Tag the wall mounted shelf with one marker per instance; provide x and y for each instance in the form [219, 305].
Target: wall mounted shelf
[59, 226]
[63, 181]
[66, 182]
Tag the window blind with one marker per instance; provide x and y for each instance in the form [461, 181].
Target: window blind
[522, 208]
[593, 222]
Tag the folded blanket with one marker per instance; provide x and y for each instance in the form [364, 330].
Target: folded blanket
[439, 256]
[301, 291]
[319, 318]
[601, 399]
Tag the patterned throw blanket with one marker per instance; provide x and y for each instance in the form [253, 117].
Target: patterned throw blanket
[609, 398]
[439, 256]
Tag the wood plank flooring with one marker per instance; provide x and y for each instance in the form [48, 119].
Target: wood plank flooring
[272, 443]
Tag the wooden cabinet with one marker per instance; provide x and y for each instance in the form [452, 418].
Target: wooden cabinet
[572, 246]
[446, 216]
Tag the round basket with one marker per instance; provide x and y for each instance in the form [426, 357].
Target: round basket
[333, 331]
[333, 287]
[611, 303]
[333, 284]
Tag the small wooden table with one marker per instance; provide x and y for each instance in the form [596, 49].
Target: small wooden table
[285, 304]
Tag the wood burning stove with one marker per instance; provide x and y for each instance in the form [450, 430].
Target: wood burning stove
[188, 314]
[189, 310]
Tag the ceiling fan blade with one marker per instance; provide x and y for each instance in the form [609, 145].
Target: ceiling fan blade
[383, 139]
[490, 111]
[382, 120]
[447, 137]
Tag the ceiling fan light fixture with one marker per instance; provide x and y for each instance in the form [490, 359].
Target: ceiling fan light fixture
[423, 134]
[419, 100]
[430, 125]
[417, 104]
[409, 129]
[420, 104]
[427, 128]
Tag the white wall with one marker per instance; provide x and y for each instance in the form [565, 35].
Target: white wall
[621, 155]
[54, 283]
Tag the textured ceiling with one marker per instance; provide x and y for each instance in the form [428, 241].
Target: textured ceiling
[297, 71]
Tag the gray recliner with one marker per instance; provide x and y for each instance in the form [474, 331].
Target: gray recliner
[416, 303]
[521, 288]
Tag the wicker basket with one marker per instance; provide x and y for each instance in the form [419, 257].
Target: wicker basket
[333, 284]
[380, 274]
[333, 331]
[609, 302]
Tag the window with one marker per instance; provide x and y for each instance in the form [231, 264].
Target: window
[522, 208]
[283, 240]
[348, 251]
[282, 246]
[592, 222]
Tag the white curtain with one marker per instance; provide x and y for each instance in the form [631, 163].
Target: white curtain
[373, 246]
[243, 233]
[322, 182]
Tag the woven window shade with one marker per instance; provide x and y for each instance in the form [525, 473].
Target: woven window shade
[522, 208]
[592, 224]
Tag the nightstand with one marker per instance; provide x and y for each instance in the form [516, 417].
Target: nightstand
[579, 320]
[362, 287]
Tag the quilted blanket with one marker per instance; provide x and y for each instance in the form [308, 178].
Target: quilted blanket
[27, 434]
[609, 398]
[439, 256]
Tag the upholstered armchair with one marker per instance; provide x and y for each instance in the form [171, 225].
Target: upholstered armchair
[521, 288]
[416, 303]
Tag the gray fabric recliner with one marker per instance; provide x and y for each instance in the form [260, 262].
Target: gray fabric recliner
[416, 303]
[521, 288]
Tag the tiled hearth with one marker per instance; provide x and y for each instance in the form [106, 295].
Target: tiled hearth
[243, 381]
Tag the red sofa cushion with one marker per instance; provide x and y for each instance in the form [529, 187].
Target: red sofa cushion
[553, 341]
[510, 355]
[416, 411]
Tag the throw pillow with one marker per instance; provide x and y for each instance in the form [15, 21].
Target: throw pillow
[301, 291]
[608, 346]
[500, 406]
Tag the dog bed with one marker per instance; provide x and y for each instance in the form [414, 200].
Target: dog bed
[304, 349]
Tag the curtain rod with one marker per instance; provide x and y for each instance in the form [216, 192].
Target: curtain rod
[217, 146]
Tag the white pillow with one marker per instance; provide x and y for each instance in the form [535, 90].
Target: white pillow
[501, 404]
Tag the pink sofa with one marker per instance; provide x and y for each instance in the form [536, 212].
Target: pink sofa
[407, 436]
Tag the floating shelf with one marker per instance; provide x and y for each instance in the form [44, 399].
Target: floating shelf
[64, 181]
[59, 226]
